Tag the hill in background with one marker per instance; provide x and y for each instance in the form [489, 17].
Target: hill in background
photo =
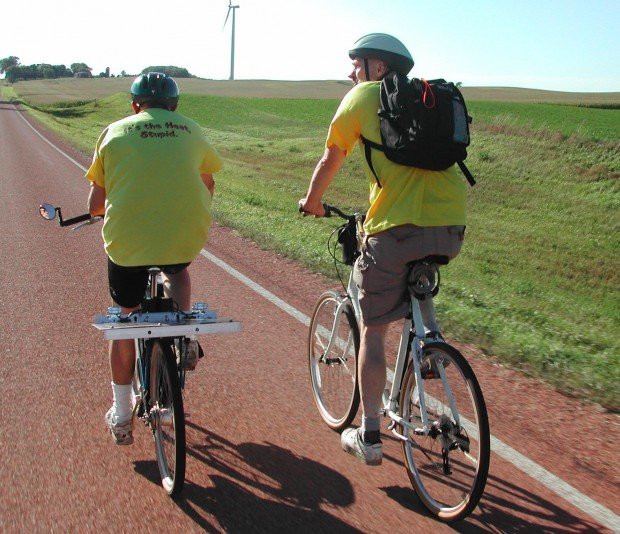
[70, 89]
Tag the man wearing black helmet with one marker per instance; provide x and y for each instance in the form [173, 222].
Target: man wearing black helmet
[414, 213]
[152, 180]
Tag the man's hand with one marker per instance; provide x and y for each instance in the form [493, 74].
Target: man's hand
[96, 200]
[307, 208]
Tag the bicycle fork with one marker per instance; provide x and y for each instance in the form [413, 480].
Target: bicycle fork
[333, 338]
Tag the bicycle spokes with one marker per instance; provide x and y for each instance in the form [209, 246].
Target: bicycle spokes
[447, 458]
[332, 357]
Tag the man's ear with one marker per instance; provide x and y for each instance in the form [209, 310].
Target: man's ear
[382, 68]
[136, 107]
[172, 107]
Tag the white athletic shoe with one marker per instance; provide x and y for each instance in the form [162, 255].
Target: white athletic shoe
[121, 431]
[353, 443]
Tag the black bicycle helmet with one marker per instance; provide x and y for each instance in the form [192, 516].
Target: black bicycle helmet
[384, 47]
[155, 87]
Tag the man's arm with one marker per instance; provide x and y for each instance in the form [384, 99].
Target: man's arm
[327, 167]
[209, 182]
[96, 200]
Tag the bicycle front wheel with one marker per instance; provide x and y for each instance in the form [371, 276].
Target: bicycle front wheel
[333, 346]
[447, 462]
[167, 418]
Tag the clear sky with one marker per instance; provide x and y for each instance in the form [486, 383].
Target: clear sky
[566, 45]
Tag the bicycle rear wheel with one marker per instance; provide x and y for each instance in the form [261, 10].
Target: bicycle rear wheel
[333, 346]
[448, 467]
[166, 417]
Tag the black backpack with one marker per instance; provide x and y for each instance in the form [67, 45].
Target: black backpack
[423, 124]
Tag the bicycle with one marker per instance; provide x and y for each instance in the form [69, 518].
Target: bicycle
[161, 332]
[432, 397]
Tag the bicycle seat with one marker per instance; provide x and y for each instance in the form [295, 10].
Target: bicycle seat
[437, 259]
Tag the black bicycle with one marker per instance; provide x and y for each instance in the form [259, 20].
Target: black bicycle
[161, 333]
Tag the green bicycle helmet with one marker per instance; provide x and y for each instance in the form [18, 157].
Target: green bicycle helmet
[384, 47]
[155, 87]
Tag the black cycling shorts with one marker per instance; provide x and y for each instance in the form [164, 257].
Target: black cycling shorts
[128, 284]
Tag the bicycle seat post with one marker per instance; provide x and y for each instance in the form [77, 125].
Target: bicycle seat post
[153, 273]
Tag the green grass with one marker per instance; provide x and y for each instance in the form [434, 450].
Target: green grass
[557, 121]
[537, 282]
[7, 92]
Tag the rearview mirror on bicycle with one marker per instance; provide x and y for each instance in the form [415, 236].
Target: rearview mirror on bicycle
[49, 212]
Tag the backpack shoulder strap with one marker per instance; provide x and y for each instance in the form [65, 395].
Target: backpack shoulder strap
[468, 175]
[368, 146]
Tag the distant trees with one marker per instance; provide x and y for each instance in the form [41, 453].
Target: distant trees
[13, 71]
[7, 62]
[175, 72]
[35, 72]
[81, 67]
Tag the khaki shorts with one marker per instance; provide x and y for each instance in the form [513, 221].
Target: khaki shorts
[381, 270]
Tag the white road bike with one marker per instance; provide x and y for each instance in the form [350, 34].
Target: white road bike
[432, 399]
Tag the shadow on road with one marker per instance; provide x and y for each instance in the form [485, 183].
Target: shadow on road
[259, 487]
[504, 507]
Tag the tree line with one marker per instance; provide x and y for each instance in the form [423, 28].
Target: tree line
[13, 71]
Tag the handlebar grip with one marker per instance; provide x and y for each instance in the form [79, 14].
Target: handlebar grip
[328, 210]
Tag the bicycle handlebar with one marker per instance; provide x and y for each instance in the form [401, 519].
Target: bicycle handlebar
[49, 212]
[330, 210]
[73, 220]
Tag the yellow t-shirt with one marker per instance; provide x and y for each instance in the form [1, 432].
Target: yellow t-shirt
[408, 195]
[158, 210]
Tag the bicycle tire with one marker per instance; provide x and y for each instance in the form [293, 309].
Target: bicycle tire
[449, 492]
[333, 376]
[166, 417]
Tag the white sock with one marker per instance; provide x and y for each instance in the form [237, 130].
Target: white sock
[123, 395]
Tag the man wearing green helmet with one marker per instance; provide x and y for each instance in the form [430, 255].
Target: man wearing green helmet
[152, 180]
[413, 213]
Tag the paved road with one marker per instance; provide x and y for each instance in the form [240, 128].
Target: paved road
[260, 460]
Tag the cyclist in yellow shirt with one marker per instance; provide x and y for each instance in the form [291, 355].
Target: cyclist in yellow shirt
[413, 214]
[152, 180]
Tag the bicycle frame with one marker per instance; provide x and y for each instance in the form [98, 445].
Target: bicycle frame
[412, 344]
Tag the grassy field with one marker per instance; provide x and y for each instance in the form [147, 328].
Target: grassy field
[536, 285]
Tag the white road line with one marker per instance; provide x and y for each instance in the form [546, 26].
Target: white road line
[584, 503]
[302, 318]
